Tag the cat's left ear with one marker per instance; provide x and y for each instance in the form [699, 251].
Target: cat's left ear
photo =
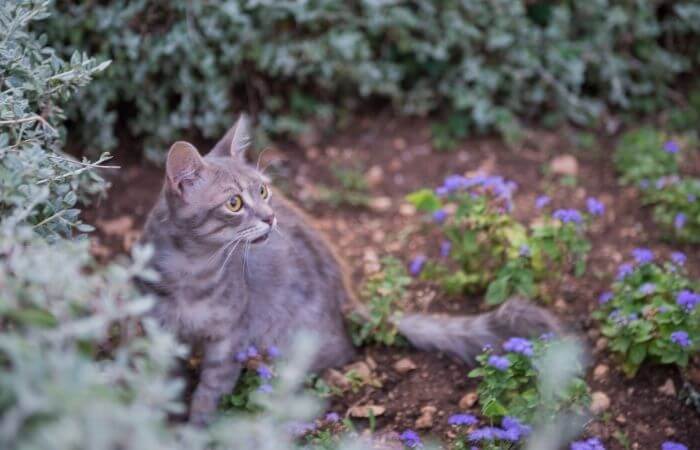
[236, 141]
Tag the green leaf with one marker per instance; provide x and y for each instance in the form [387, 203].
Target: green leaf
[497, 291]
[424, 200]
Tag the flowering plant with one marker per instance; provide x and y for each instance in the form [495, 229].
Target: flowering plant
[257, 376]
[676, 207]
[509, 383]
[651, 312]
[491, 249]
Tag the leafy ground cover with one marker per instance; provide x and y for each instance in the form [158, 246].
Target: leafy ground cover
[399, 392]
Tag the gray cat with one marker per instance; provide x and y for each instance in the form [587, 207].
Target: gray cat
[240, 265]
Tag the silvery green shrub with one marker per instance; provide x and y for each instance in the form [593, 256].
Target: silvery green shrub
[186, 65]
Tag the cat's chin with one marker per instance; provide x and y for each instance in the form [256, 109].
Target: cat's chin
[262, 239]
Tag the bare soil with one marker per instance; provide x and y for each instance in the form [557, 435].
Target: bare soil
[402, 150]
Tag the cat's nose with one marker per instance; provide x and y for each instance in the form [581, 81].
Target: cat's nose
[269, 219]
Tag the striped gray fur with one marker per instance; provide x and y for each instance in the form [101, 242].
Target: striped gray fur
[229, 280]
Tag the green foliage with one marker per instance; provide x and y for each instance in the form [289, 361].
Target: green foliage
[517, 390]
[381, 293]
[652, 160]
[351, 190]
[643, 310]
[491, 250]
[186, 65]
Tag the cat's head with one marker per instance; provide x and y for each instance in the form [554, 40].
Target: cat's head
[219, 199]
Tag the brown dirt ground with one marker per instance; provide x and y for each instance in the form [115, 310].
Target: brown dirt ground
[401, 148]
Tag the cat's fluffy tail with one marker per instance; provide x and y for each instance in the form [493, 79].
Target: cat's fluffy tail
[465, 336]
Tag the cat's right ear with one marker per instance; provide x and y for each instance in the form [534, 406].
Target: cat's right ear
[183, 167]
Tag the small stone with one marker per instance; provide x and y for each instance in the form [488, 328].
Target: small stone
[374, 176]
[669, 431]
[365, 411]
[468, 400]
[380, 204]
[621, 419]
[601, 344]
[560, 304]
[668, 388]
[599, 402]
[564, 165]
[600, 371]
[404, 365]
[426, 418]
[407, 210]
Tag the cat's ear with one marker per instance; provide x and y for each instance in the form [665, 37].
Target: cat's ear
[236, 141]
[184, 166]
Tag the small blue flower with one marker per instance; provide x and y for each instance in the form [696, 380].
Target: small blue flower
[514, 429]
[498, 362]
[681, 338]
[242, 356]
[417, 264]
[442, 191]
[624, 271]
[486, 434]
[542, 201]
[265, 388]
[605, 297]
[264, 372]
[595, 206]
[670, 445]
[588, 444]
[461, 419]
[678, 258]
[647, 289]
[411, 439]
[445, 248]
[273, 352]
[671, 146]
[524, 251]
[332, 417]
[679, 221]
[687, 299]
[439, 216]
[568, 216]
[644, 184]
[454, 182]
[518, 345]
[252, 352]
[643, 255]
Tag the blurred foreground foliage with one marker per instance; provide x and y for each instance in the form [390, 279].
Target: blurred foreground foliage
[186, 65]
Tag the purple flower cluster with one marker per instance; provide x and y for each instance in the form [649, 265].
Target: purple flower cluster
[273, 352]
[332, 417]
[518, 345]
[624, 271]
[500, 188]
[679, 221]
[511, 430]
[461, 419]
[445, 248]
[524, 251]
[647, 289]
[678, 258]
[643, 255]
[568, 216]
[670, 445]
[681, 338]
[588, 444]
[687, 299]
[542, 201]
[264, 372]
[411, 439]
[595, 206]
[417, 265]
[605, 297]
[249, 353]
[439, 216]
[499, 362]
[671, 146]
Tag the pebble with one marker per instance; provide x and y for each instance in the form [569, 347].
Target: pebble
[374, 176]
[407, 210]
[621, 419]
[600, 372]
[564, 165]
[426, 418]
[365, 411]
[380, 204]
[668, 388]
[468, 400]
[599, 402]
[404, 365]
[601, 344]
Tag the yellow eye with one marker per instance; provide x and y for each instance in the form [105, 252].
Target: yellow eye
[235, 204]
[264, 193]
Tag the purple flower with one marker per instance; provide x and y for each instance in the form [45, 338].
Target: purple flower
[671, 146]
[660, 183]
[542, 201]
[301, 428]
[548, 336]
[643, 255]
[439, 216]
[568, 216]
[445, 248]
[678, 258]
[687, 299]
[524, 251]
[411, 439]
[265, 388]
[647, 289]
[670, 445]
[624, 270]
[588, 444]
[332, 417]
[518, 345]
[264, 372]
[498, 362]
[486, 434]
[442, 191]
[605, 297]
[461, 419]
[242, 356]
[679, 221]
[417, 265]
[681, 338]
[691, 198]
[252, 352]
[454, 182]
[273, 352]
[644, 184]
[514, 429]
[595, 206]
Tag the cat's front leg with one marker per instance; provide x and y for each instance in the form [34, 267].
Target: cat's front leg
[219, 373]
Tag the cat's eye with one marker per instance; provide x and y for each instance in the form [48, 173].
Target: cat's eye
[264, 192]
[235, 204]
